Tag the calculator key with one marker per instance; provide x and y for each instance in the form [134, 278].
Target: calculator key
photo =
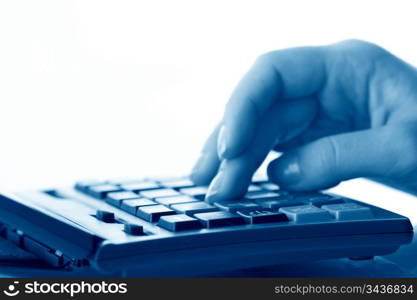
[105, 216]
[101, 191]
[175, 200]
[133, 229]
[270, 186]
[233, 206]
[116, 198]
[177, 183]
[124, 180]
[254, 188]
[276, 204]
[198, 192]
[152, 213]
[219, 219]
[306, 213]
[349, 211]
[131, 205]
[263, 195]
[140, 186]
[262, 216]
[85, 184]
[194, 208]
[179, 223]
[152, 194]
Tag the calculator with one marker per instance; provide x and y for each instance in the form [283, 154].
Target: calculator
[163, 227]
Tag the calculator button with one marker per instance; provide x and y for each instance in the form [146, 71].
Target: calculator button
[116, 198]
[263, 195]
[219, 219]
[140, 186]
[198, 192]
[84, 185]
[179, 223]
[233, 206]
[175, 200]
[270, 186]
[194, 208]
[177, 183]
[131, 205]
[152, 213]
[254, 188]
[133, 229]
[152, 194]
[349, 211]
[306, 213]
[276, 204]
[101, 191]
[262, 216]
[105, 216]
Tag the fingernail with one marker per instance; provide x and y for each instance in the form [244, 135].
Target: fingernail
[215, 187]
[221, 142]
[288, 173]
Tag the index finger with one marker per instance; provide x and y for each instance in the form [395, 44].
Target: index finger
[275, 76]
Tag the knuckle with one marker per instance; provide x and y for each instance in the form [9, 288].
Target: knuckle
[331, 153]
[327, 156]
[359, 52]
[360, 46]
[405, 147]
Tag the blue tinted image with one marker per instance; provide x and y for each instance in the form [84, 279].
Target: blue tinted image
[207, 139]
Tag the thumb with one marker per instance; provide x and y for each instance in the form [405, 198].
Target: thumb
[382, 152]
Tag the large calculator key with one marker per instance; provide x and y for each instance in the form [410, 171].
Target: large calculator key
[83, 186]
[306, 213]
[131, 205]
[198, 192]
[116, 198]
[133, 229]
[276, 204]
[233, 206]
[153, 194]
[152, 213]
[349, 211]
[140, 186]
[101, 191]
[178, 223]
[263, 195]
[219, 219]
[177, 183]
[175, 200]
[262, 216]
[194, 208]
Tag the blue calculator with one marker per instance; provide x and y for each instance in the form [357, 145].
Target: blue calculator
[163, 227]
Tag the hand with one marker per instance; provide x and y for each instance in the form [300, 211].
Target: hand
[336, 112]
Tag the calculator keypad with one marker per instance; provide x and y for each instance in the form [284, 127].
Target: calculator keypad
[178, 205]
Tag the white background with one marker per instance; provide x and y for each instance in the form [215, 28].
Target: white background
[132, 88]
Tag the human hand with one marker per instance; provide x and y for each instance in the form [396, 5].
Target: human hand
[336, 112]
